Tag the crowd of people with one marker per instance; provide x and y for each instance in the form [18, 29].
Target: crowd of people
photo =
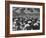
[22, 23]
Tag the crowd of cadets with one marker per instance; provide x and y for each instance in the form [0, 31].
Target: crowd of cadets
[26, 23]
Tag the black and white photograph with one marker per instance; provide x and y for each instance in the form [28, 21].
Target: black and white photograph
[25, 18]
